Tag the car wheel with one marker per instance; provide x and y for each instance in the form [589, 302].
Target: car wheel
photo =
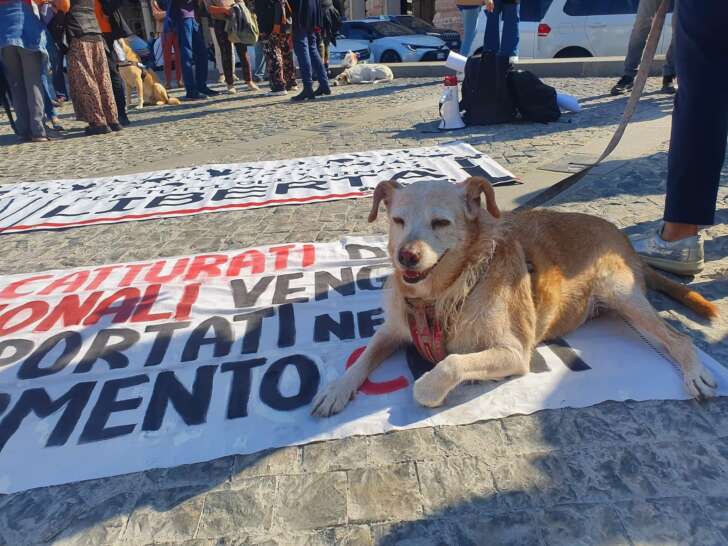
[390, 56]
[571, 52]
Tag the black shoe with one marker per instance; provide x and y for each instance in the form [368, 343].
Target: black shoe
[116, 127]
[668, 86]
[124, 121]
[624, 85]
[322, 91]
[209, 92]
[198, 96]
[306, 94]
[97, 130]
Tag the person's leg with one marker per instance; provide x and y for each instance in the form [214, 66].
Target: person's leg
[491, 40]
[177, 56]
[32, 66]
[106, 87]
[509, 42]
[184, 35]
[289, 69]
[200, 51]
[638, 36]
[167, 55]
[470, 19]
[56, 69]
[668, 69]
[260, 70]
[300, 46]
[219, 63]
[274, 60]
[242, 51]
[48, 97]
[223, 43]
[117, 84]
[13, 67]
[317, 64]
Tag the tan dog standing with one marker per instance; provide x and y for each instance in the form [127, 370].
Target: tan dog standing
[148, 87]
[499, 284]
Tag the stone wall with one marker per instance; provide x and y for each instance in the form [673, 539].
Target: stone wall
[447, 15]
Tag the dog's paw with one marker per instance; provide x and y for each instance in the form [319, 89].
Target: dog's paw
[700, 383]
[333, 398]
[431, 389]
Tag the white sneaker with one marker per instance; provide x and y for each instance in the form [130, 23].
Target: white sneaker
[513, 59]
[277, 93]
[221, 78]
[231, 89]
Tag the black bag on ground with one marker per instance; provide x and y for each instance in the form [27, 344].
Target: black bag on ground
[535, 100]
[486, 99]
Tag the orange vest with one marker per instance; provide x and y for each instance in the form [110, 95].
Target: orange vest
[102, 18]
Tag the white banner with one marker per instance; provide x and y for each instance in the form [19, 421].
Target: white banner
[213, 188]
[114, 369]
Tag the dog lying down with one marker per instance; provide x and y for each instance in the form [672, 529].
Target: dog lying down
[362, 73]
[493, 285]
[148, 87]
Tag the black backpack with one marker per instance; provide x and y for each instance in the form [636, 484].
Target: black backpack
[535, 100]
[486, 99]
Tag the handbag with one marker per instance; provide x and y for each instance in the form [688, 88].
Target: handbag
[242, 25]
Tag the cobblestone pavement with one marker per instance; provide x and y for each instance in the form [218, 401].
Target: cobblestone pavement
[652, 473]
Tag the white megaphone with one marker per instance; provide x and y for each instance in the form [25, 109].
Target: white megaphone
[450, 117]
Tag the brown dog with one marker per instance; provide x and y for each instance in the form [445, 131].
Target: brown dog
[148, 87]
[497, 284]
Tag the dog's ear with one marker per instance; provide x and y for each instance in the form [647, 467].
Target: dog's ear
[383, 192]
[474, 186]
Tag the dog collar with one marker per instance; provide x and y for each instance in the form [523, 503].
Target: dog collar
[426, 330]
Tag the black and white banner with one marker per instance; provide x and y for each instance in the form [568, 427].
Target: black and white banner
[113, 369]
[213, 188]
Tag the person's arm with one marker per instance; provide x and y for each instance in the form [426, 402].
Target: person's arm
[158, 13]
[62, 5]
[489, 5]
[217, 10]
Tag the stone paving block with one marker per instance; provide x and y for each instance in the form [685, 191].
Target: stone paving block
[414, 533]
[610, 422]
[716, 508]
[310, 501]
[542, 431]
[716, 411]
[248, 507]
[457, 485]
[703, 466]
[668, 522]
[402, 445]
[484, 440]
[210, 474]
[582, 525]
[39, 515]
[353, 535]
[660, 463]
[165, 515]
[384, 494]
[344, 454]
[678, 419]
[511, 529]
[271, 462]
[102, 524]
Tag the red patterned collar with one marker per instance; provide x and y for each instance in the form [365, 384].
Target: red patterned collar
[426, 331]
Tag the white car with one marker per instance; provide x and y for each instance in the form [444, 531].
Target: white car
[393, 43]
[344, 45]
[574, 28]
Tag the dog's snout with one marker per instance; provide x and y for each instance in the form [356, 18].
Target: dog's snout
[408, 257]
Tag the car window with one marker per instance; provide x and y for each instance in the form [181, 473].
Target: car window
[355, 32]
[534, 10]
[386, 28]
[418, 25]
[600, 7]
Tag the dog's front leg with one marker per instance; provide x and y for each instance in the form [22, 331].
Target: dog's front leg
[140, 93]
[495, 363]
[334, 397]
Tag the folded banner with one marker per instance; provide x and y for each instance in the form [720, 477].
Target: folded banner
[119, 368]
[213, 188]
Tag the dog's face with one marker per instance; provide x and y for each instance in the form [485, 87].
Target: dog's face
[429, 223]
[350, 59]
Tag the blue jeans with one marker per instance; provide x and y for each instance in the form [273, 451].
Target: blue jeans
[56, 60]
[307, 53]
[259, 68]
[508, 46]
[470, 20]
[192, 47]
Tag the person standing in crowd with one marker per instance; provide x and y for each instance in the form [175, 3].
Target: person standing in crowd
[259, 71]
[698, 138]
[23, 53]
[274, 27]
[637, 40]
[169, 43]
[88, 70]
[219, 11]
[330, 26]
[507, 45]
[306, 19]
[113, 27]
[183, 17]
[56, 50]
[469, 11]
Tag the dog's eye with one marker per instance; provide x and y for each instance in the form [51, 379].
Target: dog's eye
[439, 223]
[397, 220]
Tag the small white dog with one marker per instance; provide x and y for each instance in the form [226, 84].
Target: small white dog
[362, 73]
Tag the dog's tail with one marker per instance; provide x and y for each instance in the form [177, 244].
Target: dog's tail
[680, 292]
